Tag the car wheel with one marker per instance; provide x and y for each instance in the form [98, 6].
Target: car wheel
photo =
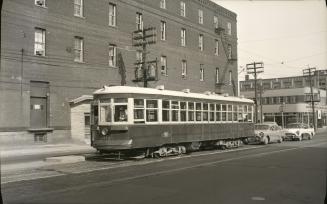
[265, 141]
[280, 140]
[310, 137]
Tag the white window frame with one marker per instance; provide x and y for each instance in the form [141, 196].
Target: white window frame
[139, 21]
[183, 37]
[78, 49]
[40, 3]
[112, 54]
[201, 72]
[229, 28]
[216, 47]
[183, 8]
[39, 42]
[163, 30]
[184, 68]
[217, 75]
[163, 4]
[163, 63]
[79, 8]
[201, 42]
[215, 22]
[112, 14]
[200, 15]
[229, 49]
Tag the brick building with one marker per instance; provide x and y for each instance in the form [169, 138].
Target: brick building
[289, 98]
[55, 51]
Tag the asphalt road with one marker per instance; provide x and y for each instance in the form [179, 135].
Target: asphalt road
[291, 172]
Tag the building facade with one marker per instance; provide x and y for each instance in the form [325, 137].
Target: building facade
[288, 100]
[55, 51]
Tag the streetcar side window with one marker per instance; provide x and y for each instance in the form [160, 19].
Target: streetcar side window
[139, 110]
[212, 112]
[183, 111]
[245, 113]
[165, 110]
[198, 112]
[205, 112]
[229, 113]
[250, 114]
[240, 114]
[218, 112]
[235, 112]
[151, 110]
[190, 111]
[94, 114]
[175, 111]
[224, 112]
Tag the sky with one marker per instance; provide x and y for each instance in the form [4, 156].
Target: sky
[287, 36]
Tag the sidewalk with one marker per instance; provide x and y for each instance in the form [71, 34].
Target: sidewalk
[37, 152]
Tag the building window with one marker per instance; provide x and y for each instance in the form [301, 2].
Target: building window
[40, 3]
[78, 8]
[216, 47]
[201, 42]
[217, 75]
[215, 21]
[39, 44]
[230, 78]
[164, 65]
[200, 13]
[112, 14]
[184, 68]
[112, 55]
[139, 21]
[163, 4]
[201, 72]
[229, 28]
[183, 37]
[229, 49]
[78, 49]
[163, 30]
[183, 11]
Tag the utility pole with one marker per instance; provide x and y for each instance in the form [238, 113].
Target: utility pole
[255, 68]
[310, 72]
[260, 93]
[140, 39]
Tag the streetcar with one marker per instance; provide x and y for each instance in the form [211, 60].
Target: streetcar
[154, 122]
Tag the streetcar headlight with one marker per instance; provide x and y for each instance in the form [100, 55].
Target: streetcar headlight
[104, 131]
[261, 134]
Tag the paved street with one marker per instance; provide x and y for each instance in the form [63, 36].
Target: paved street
[291, 172]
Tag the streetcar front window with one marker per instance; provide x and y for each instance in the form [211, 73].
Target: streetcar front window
[94, 114]
[120, 110]
[105, 113]
[120, 113]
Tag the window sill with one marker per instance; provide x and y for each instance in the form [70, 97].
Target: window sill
[82, 17]
[43, 56]
[113, 26]
[79, 62]
[45, 7]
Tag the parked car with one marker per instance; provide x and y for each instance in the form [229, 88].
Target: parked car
[298, 131]
[268, 132]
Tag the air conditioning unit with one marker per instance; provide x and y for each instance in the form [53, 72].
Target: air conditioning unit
[39, 2]
[39, 52]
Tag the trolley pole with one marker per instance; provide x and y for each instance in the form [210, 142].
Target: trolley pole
[141, 38]
[309, 72]
[255, 68]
